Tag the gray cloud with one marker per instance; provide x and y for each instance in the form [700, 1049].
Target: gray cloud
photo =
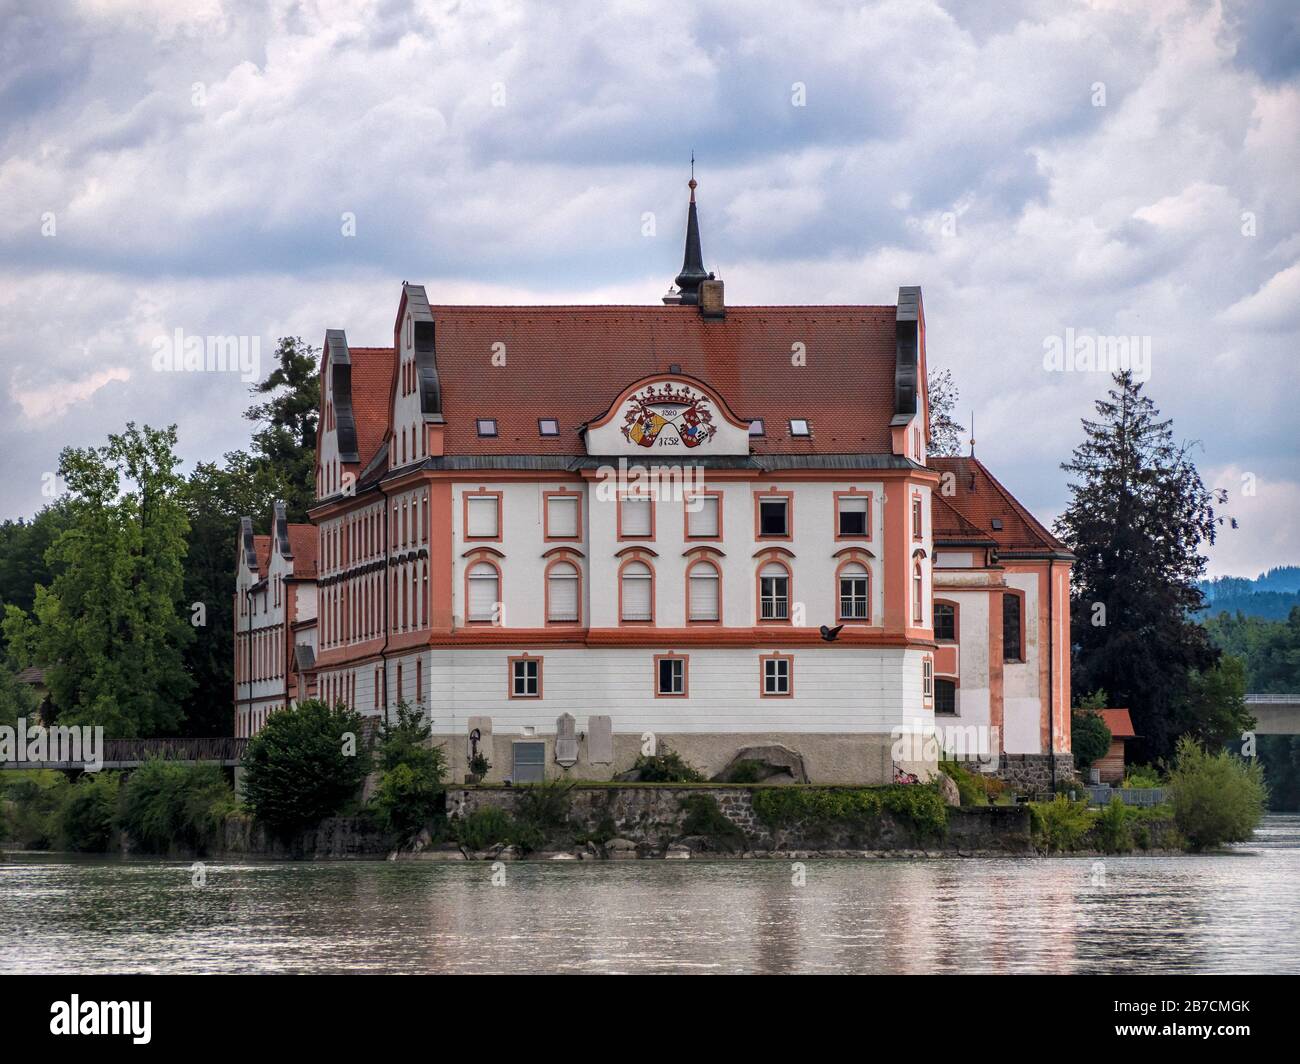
[198, 158]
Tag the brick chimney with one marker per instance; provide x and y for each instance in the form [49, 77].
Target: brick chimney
[711, 302]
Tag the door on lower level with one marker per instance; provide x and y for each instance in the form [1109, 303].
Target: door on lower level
[530, 763]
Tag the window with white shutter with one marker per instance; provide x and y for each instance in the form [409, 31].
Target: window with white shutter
[484, 592]
[562, 592]
[483, 517]
[703, 591]
[852, 518]
[702, 517]
[562, 517]
[636, 518]
[637, 597]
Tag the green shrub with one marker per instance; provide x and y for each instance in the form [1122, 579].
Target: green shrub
[89, 813]
[543, 805]
[410, 792]
[704, 817]
[1217, 798]
[1060, 824]
[918, 806]
[974, 788]
[34, 807]
[1143, 777]
[666, 767]
[747, 770]
[305, 764]
[167, 803]
[486, 826]
[1113, 827]
[1089, 736]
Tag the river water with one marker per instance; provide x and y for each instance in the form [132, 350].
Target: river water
[1227, 913]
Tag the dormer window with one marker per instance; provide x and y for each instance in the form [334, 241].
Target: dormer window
[799, 427]
[997, 524]
[487, 426]
[756, 427]
[548, 426]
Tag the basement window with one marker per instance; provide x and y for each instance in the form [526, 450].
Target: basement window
[487, 426]
[799, 427]
[548, 426]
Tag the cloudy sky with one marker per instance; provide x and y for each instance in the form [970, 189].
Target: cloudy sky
[1114, 169]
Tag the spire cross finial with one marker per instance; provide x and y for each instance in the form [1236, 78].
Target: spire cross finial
[691, 183]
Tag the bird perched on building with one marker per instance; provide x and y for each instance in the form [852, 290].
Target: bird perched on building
[829, 634]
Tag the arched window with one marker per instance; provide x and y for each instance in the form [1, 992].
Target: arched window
[774, 592]
[855, 583]
[562, 592]
[918, 597]
[702, 599]
[637, 592]
[484, 591]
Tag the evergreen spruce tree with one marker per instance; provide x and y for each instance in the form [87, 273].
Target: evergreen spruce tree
[1138, 516]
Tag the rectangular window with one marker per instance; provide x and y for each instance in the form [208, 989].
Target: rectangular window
[853, 515]
[945, 622]
[945, 697]
[561, 516]
[482, 519]
[774, 517]
[671, 676]
[637, 518]
[927, 679]
[702, 517]
[853, 597]
[487, 426]
[799, 427]
[916, 517]
[548, 426]
[525, 677]
[1011, 625]
[756, 427]
[776, 676]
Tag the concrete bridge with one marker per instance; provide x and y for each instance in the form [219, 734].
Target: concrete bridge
[132, 753]
[1275, 714]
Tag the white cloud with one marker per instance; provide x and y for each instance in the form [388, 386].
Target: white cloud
[53, 400]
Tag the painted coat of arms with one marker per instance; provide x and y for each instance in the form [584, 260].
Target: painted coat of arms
[667, 415]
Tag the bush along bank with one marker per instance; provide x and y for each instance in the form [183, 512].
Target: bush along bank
[611, 821]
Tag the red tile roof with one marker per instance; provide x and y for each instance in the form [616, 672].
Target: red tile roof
[262, 548]
[372, 383]
[571, 363]
[979, 500]
[1119, 723]
[304, 541]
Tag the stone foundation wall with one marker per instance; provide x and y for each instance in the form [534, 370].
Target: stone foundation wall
[649, 819]
[851, 758]
[1033, 772]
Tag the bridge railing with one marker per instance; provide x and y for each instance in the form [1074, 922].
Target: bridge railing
[225, 749]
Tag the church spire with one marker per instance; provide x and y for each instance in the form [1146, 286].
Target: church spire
[688, 281]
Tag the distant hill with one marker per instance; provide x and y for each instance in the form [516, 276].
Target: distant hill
[1270, 595]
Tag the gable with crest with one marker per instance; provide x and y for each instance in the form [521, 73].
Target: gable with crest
[668, 415]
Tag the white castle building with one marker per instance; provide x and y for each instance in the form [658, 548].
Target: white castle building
[568, 533]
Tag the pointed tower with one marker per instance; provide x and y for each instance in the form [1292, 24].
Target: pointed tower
[693, 274]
